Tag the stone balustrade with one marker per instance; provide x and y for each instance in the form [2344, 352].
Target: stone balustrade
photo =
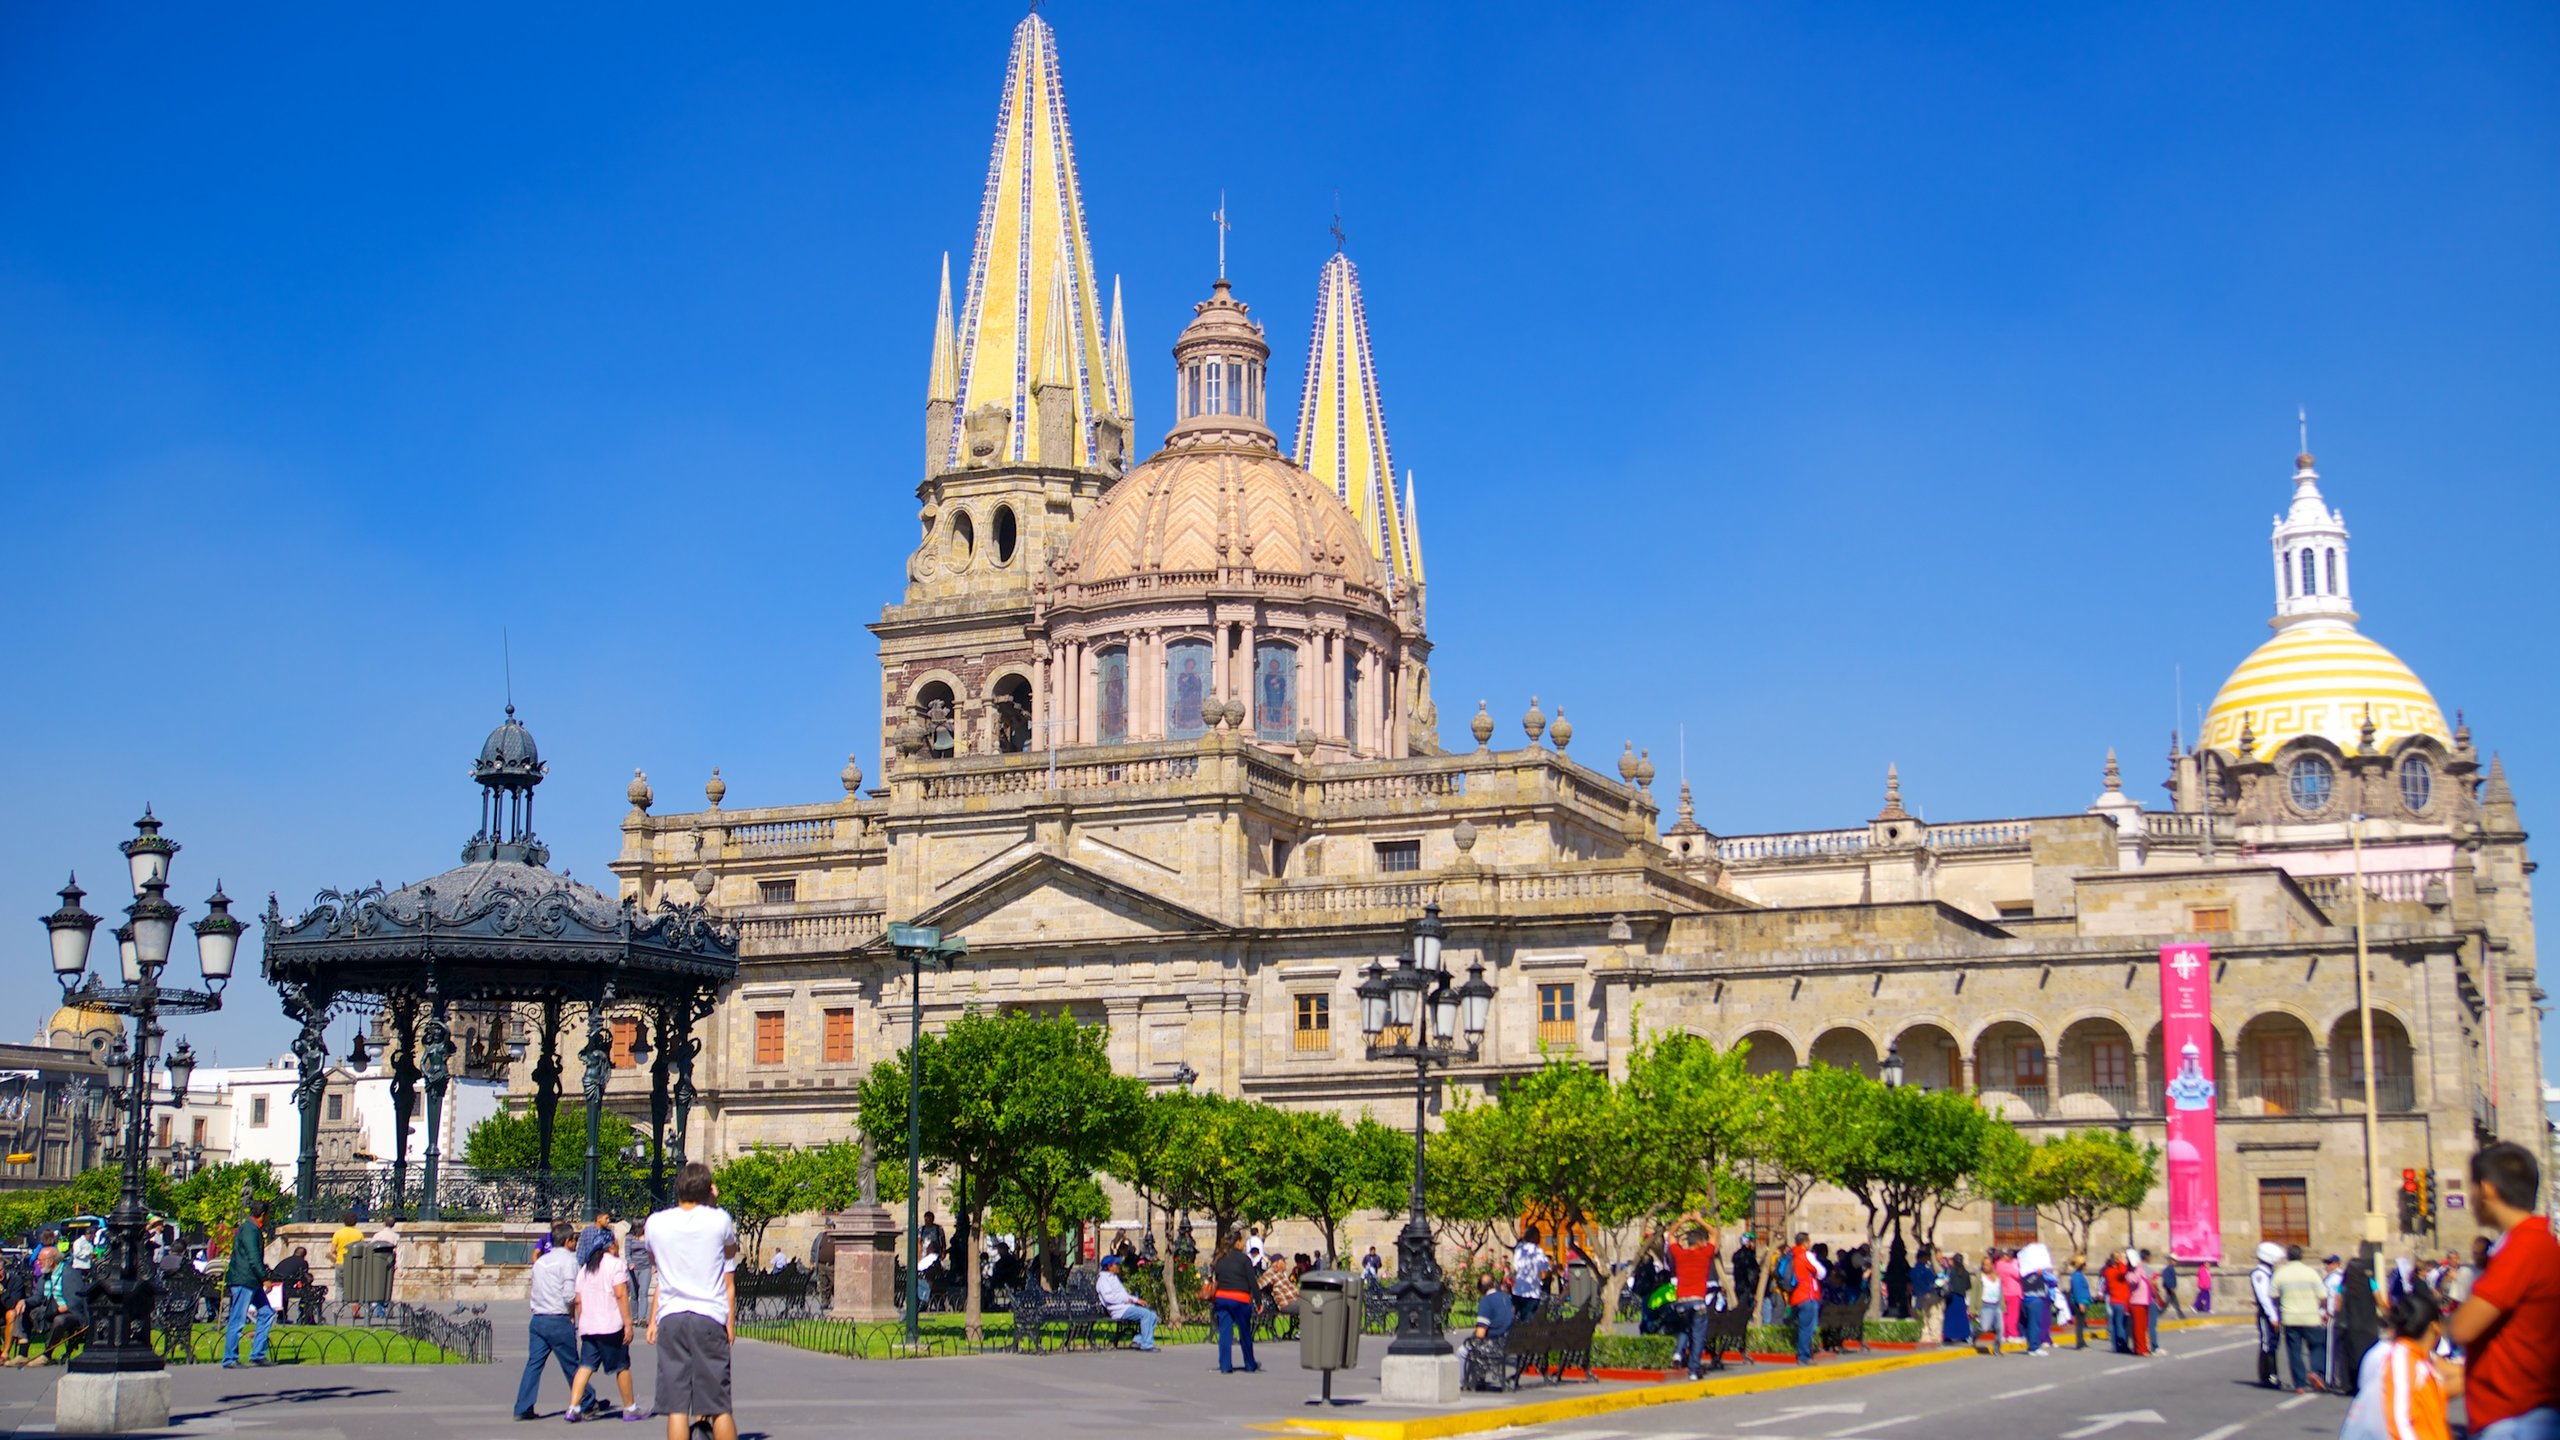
[1981, 835]
[821, 932]
[1794, 845]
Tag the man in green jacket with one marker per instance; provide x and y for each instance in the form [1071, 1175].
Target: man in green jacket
[247, 1278]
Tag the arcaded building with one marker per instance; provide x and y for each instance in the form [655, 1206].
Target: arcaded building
[1160, 740]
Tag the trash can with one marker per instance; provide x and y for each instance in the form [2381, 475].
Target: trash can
[364, 1277]
[1329, 1314]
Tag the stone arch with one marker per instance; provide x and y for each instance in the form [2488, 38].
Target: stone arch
[2092, 1070]
[1990, 1018]
[1931, 1058]
[942, 729]
[2278, 1063]
[1773, 1051]
[2011, 1068]
[1848, 1047]
[1008, 702]
[2395, 1070]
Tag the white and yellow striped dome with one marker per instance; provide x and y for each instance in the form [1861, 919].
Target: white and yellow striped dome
[2320, 677]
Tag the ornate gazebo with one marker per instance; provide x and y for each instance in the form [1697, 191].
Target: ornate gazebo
[505, 937]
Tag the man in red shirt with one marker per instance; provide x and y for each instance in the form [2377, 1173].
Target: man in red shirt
[2119, 1303]
[1804, 1295]
[2511, 1323]
[1693, 1269]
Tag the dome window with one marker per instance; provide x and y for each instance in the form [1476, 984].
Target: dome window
[1008, 534]
[2310, 578]
[964, 540]
[2417, 783]
[2309, 779]
[2329, 560]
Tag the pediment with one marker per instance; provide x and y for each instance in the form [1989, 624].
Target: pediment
[1041, 899]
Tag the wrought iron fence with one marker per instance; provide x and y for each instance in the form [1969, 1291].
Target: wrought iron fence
[465, 1193]
[187, 1329]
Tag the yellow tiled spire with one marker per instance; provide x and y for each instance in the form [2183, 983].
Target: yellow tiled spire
[1412, 532]
[1342, 428]
[944, 383]
[1031, 228]
[1119, 348]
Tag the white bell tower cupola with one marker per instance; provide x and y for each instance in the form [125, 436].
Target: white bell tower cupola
[2311, 555]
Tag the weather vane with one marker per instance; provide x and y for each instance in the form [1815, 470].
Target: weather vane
[1337, 222]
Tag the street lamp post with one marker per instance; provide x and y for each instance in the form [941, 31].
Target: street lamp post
[118, 1383]
[919, 946]
[1413, 1012]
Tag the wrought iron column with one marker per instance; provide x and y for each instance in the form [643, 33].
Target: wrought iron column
[311, 1057]
[439, 1050]
[404, 1092]
[658, 1097]
[546, 1105]
[598, 1055]
[683, 1050]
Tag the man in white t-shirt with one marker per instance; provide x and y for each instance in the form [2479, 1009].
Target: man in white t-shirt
[695, 1322]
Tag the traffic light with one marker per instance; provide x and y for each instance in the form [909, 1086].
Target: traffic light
[2427, 1199]
[2408, 1202]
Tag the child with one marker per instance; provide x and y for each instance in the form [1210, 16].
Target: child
[604, 1323]
[1987, 1288]
[2079, 1293]
[2402, 1389]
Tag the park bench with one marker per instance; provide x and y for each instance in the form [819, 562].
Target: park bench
[1377, 1308]
[1075, 1311]
[1551, 1343]
[784, 1294]
[1729, 1330]
[1839, 1324]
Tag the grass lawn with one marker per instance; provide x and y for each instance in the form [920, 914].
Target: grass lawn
[326, 1345]
[939, 1333]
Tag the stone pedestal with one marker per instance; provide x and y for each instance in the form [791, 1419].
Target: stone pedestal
[115, 1404]
[1418, 1379]
[440, 1261]
[866, 1245]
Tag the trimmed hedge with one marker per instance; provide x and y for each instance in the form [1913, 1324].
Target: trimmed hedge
[1653, 1352]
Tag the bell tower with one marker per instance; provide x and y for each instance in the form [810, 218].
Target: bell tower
[1027, 419]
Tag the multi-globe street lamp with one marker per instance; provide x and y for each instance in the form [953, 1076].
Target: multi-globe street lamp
[1414, 1012]
[120, 1335]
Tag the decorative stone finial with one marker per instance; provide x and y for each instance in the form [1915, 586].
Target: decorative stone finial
[1535, 722]
[1644, 769]
[2496, 791]
[715, 789]
[1306, 743]
[1893, 795]
[2461, 732]
[638, 791]
[1627, 763]
[1482, 726]
[1562, 731]
[2115, 776]
[1464, 836]
[1688, 808]
[2364, 735]
[2248, 734]
[703, 883]
[851, 775]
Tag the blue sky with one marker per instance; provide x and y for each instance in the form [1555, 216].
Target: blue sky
[1847, 384]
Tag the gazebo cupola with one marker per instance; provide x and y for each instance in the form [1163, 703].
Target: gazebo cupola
[508, 768]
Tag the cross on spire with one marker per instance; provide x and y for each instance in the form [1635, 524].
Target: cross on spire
[1338, 236]
[1220, 219]
[2302, 417]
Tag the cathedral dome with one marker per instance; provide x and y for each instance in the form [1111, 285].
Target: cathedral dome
[2320, 678]
[1197, 511]
[77, 1027]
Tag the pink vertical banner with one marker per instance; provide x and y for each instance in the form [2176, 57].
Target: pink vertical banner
[2186, 1033]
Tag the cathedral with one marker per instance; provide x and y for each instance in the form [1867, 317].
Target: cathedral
[1159, 739]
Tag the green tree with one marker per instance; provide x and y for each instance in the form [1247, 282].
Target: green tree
[209, 1200]
[1337, 1170]
[1564, 1141]
[2075, 1178]
[1918, 1152]
[1811, 1120]
[1148, 1157]
[758, 1186]
[509, 1140]
[1700, 1107]
[995, 1090]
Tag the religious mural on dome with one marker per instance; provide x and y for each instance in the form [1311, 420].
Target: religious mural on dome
[1275, 690]
[1186, 689]
[1111, 697]
[1350, 696]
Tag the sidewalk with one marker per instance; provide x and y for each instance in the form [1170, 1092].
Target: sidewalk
[786, 1392]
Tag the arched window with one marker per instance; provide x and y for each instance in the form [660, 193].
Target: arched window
[1013, 715]
[1111, 696]
[2330, 559]
[2417, 782]
[964, 540]
[1186, 689]
[2309, 780]
[2284, 567]
[1217, 401]
[1275, 690]
[934, 706]
[2310, 580]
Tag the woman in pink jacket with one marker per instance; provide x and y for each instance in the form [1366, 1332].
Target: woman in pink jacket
[2009, 1293]
[2137, 1279]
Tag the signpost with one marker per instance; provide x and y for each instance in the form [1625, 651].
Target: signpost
[920, 946]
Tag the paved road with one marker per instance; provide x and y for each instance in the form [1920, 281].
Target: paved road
[2201, 1390]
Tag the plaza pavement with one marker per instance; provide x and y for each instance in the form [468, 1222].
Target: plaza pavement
[2198, 1393]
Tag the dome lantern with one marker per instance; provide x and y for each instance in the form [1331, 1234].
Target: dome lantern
[1220, 363]
[510, 765]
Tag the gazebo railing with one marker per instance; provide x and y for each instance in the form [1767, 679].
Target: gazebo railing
[465, 1193]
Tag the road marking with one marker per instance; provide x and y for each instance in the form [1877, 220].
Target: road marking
[1864, 1426]
[2123, 1369]
[2223, 1433]
[2014, 1394]
[2297, 1400]
[2111, 1420]
[2216, 1350]
[1852, 1407]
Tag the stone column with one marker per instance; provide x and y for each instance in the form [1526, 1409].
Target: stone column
[2323, 1098]
[2141, 1102]
[866, 1258]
